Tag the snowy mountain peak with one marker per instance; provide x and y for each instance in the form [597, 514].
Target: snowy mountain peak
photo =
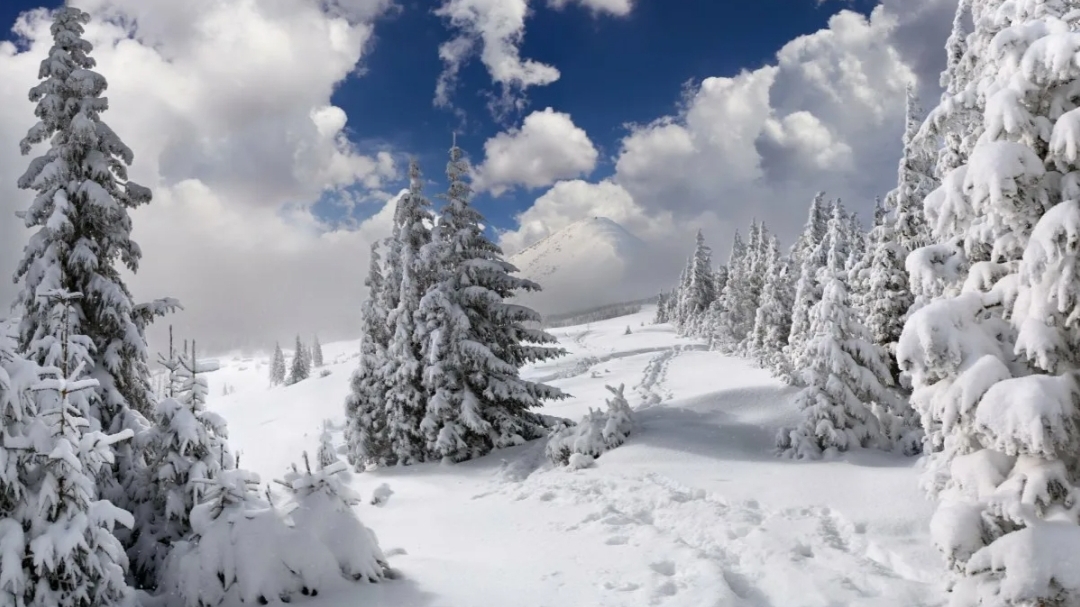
[588, 263]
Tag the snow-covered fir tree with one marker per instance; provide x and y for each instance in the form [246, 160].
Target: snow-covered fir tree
[81, 236]
[193, 387]
[365, 430]
[300, 368]
[171, 366]
[324, 509]
[474, 341]
[732, 318]
[992, 355]
[403, 372]
[700, 289]
[190, 449]
[316, 353]
[772, 320]
[810, 253]
[327, 454]
[58, 529]
[843, 372]
[277, 366]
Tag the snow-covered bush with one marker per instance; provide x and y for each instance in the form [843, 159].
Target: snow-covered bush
[244, 549]
[322, 509]
[599, 431]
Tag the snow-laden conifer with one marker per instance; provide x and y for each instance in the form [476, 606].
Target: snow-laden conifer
[991, 351]
[843, 373]
[365, 419]
[277, 366]
[300, 368]
[474, 341]
[316, 353]
[700, 290]
[189, 449]
[82, 232]
[733, 317]
[772, 320]
[598, 432]
[808, 286]
[327, 453]
[403, 372]
[323, 509]
[244, 550]
[807, 259]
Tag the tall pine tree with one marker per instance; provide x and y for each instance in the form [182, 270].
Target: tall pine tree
[365, 430]
[82, 232]
[403, 373]
[474, 341]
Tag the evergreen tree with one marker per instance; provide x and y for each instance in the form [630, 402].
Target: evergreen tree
[807, 288]
[403, 372]
[316, 353]
[60, 513]
[474, 342]
[842, 378]
[301, 363]
[327, 454]
[733, 316]
[772, 321]
[82, 232]
[277, 366]
[190, 450]
[365, 430]
[993, 364]
[700, 289]
[171, 364]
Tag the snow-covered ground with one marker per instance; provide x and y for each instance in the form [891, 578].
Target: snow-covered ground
[694, 510]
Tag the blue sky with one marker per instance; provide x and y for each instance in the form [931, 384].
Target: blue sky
[250, 118]
[614, 71]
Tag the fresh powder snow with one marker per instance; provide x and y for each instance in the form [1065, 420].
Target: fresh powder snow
[692, 510]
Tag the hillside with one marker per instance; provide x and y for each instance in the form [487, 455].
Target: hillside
[590, 263]
[693, 511]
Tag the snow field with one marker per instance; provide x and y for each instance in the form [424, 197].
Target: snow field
[694, 510]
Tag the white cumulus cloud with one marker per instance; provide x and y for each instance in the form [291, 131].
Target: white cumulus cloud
[548, 147]
[827, 114]
[226, 104]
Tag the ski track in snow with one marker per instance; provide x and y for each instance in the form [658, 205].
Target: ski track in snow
[651, 387]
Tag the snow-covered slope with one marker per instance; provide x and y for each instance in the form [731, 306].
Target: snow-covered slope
[592, 262]
[694, 510]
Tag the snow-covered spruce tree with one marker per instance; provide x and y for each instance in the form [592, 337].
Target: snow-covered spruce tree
[474, 342]
[300, 369]
[993, 362]
[327, 454]
[189, 449]
[316, 353]
[403, 373]
[700, 290]
[171, 364]
[598, 431]
[365, 418]
[323, 509]
[82, 225]
[663, 308]
[807, 258]
[193, 388]
[733, 315]
[844, 374]
[772, 321]
[680, 307]
[808, 287]
[244, 549]
[277, 366]
[60, 533]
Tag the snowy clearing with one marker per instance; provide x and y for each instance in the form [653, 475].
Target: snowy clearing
[693, 510]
